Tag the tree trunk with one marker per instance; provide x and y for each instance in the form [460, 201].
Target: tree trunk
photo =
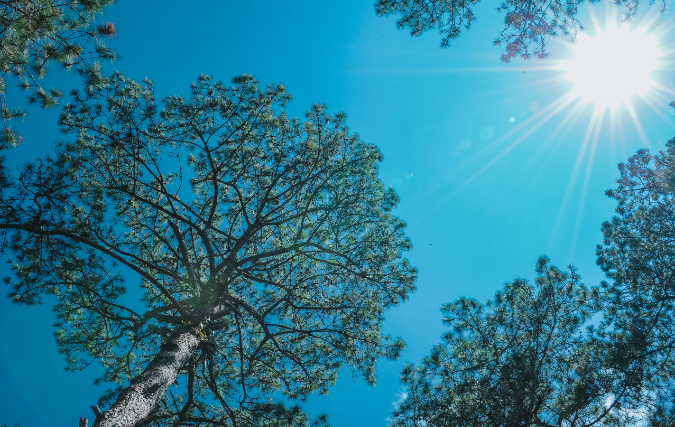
[144, 393]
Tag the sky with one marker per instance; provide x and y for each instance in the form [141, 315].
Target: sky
[493, 165]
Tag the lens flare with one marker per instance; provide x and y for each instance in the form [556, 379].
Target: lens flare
[611, 67]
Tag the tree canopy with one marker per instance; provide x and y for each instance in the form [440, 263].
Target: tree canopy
[521, 359]
[223, 260]
[264, 247]
[527, 23]
[36, 33]
[637, 255]
[557, 354]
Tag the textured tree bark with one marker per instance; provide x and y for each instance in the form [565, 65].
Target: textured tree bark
[144, 393]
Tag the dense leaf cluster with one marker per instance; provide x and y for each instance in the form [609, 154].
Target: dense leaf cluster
[527, 23]
[521, 359]
[638, 255]
[557, 354]
[270, 237]
[36, 33]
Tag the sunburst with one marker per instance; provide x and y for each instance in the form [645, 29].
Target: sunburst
[613, 72]
[613, 66]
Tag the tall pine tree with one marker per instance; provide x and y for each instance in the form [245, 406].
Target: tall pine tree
[637, 255]
[263, 246]
[524, 358]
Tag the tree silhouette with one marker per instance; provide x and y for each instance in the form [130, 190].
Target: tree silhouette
[529, 357]
[637, 255]
[264, 247]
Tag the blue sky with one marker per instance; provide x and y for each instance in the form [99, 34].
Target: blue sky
[486, 185]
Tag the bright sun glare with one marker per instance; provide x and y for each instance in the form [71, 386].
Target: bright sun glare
[612, 66]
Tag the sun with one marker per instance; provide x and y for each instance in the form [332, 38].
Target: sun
[608, 69]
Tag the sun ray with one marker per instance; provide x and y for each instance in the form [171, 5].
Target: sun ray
[490, 147]
[566, 125]
[586, 181]
[564, 102]
[658, 25]
[664, 102]
[657, 108]
[638, 125]
[560, 132]
[594, 17]
[622, 135]
[573, 178]
[532, 123]
[661, 90]
[569, 112]
[614, 126]
[616, 141]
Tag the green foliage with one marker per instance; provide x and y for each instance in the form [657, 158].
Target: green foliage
[637, 254]
[525, 358]
[271, 237]
[278, 415]
[527, 23]
[36, 33]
